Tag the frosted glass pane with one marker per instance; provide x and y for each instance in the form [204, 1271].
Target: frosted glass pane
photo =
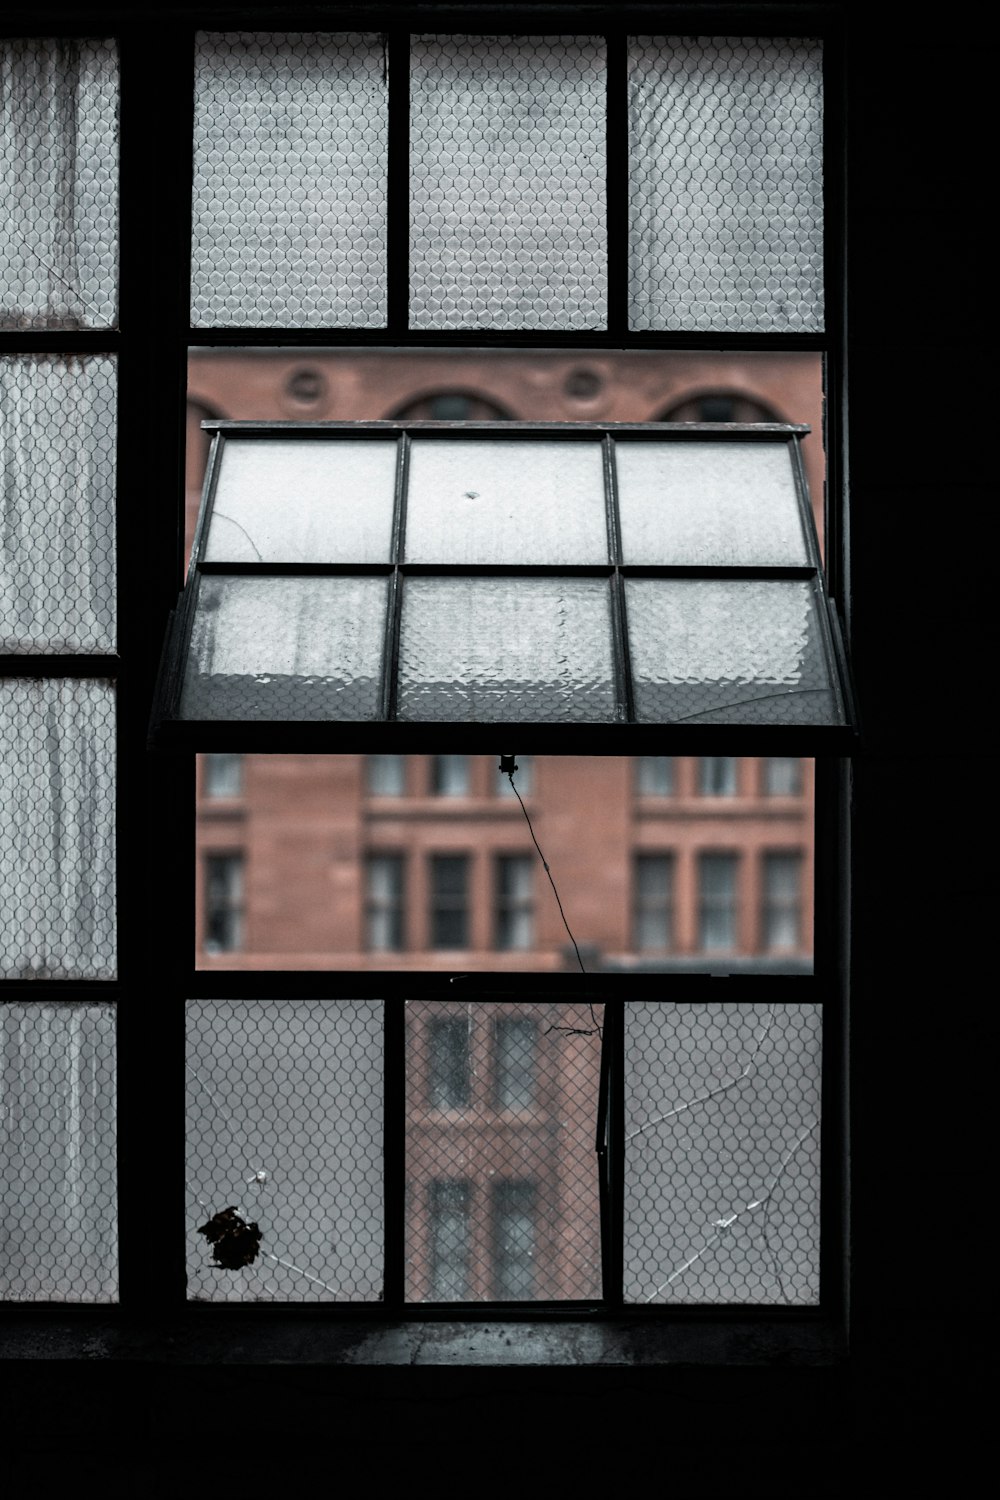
[284, 1124]
[57, 1154]
[57, 840]
[57, 541]
[290, 165]
[726, 190]
[59, 183]
[506, 650]
[506, 503]
[729, 651]
[286, 648]
[306, 501]
[722, 1142]
[709, 503]
[508, 224]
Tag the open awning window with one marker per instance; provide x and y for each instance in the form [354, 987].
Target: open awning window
[550, 574]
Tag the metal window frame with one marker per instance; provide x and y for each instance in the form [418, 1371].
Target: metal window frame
[157, 791]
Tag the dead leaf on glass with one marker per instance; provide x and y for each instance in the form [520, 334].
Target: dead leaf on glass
[234, 1242]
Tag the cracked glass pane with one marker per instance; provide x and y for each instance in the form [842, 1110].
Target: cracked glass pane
[507, 182]
[722, 1141]
[286, 501]
[284, 1126]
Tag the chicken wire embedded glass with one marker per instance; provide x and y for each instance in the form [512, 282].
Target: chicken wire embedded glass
[502, 1183]
[290, 171]
[59, 183]
[722, 1141]
[726, 186]
[508, 219]
[57, 841]
[58, 1171]
[284, 1126]
[57, 546]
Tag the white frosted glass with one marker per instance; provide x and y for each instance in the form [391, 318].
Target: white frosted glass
[709, 503]
[722, 1153]
[57, 839]
[284, 1124]
[508, 216]
[732, 651]
[280, 500]
[504, 502]
[506, 650]
[57, 1153]
[290, 167]
[286, 648]
[58, 183]
[57, 540]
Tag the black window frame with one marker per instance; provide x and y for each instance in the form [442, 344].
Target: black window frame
[157, 788]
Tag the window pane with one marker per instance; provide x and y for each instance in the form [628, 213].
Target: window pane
[450, 775]
[385, 907]
[506, 649]
[449, 1235]
[726, 189]
[654, 775]
[57, 541]
[653, 902]
[449, 915]
[59, 183]
[717, 776]
[507, 172]
[58, 1186]
[782, 776]
[285, 1125]
[223, 775]
[745, 651]
[514, 905]
[286, 648]
[541, 1061]
[719, 504]
[387, 775]
[290, 166]
[523, 778]
[303, 502]
[57, 853]
[782, 916]
[224, 903]
[717, 902]
[506, 503]
[722, 1110]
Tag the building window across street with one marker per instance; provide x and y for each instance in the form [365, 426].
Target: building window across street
[224, 901]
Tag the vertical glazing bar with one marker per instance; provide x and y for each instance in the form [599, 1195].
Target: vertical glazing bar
[390, 651]
[394, 1149]
[625, 705]
[397, 63]
[836, 515]
[612, 1162]
[616, 184]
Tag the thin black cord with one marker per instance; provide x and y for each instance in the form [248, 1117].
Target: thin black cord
[573, 1030]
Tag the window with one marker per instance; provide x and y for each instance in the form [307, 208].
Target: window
[223, 903]
[654, 775]
[781, 912]
[523, 778]
[516, 1043]
[453, 406]
[717, 776]
[450, 775]
[386, 775]
[514, 901]
[386, 906]
[782, 776]
[654, 882]
[223, 775]
[448, 1062]
[717, 902]
[245, 590]
[450, 1247]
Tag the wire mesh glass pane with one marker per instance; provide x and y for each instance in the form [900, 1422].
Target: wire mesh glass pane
[503, 502]
[57, 842]
[284, 1126]
[57, 542]
[501, 1170]
[287, 501]
[286, 648]
[290, 167]
[726, 190]
[733, 651]
[59, 183]
[718, 504]
[506, 650]
[58, 1171]
[508, 224]
[722, 1139]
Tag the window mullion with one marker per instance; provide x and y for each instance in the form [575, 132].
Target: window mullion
[396, 52]
[617, 184]
[619, 624]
